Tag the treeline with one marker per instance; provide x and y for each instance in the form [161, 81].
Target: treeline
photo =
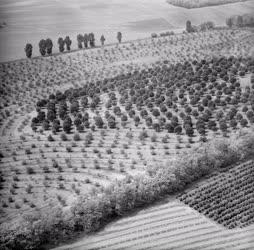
[201, 27]
[246, 20]
[190, 4]
[83, 41]
[93, 210]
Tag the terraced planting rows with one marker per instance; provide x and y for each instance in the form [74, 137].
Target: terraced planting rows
[169, 226]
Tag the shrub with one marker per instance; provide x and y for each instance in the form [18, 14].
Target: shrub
[29, 188]
[30, 170]
[50, 138]
[64, 137]
[69, 149]
[76, 137]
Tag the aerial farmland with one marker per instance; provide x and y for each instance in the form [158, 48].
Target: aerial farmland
[126, 125]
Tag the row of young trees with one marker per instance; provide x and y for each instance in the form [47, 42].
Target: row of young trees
[240, 21]
[84, 41]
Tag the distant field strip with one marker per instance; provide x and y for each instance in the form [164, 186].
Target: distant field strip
[168, 226]
[189, 4]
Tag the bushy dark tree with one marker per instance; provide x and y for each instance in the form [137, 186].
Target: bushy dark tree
[156, 127]
[80, 40]
[49, 46]
[45, 124]
[99, 121]
[51, 115]
[41, 116]
[68, 42]
[169, 127]
[178, 130]
[56, 125]
[67, 124]
[74, 108]
[223, 125]
[156, 112]
[243, 122]
[42, 47]
[111, 122]
[29, 50]
[91, 40]
[77, 121]
[188, 130]
[61, 44]
[102, 40]
[86, 40]
[233, 123]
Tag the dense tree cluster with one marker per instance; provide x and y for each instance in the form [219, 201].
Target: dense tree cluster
[45, 46]
[240, 21]
[201, 27]
[178, 98]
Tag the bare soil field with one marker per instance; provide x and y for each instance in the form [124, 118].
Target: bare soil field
[30, 21]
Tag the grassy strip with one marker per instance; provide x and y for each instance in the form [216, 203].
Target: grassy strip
[92, 211]
[190, 4]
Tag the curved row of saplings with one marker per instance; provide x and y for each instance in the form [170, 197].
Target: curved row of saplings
[95, 209]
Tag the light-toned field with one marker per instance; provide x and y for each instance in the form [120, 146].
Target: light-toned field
[30, 21]
[172, 225]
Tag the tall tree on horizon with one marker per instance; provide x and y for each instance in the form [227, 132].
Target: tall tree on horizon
[42, 47]
[229, 22]
[60, 42]
[91, 40]
[68, 42]
[188, 26]
[49, 46]
[29, 50]
[80, 40]
[102, 40]
[86, 40]
[119, 36]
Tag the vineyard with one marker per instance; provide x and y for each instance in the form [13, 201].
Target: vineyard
[95, 123]
[226, 198]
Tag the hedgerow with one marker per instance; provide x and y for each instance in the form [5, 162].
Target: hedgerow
[93, 210]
